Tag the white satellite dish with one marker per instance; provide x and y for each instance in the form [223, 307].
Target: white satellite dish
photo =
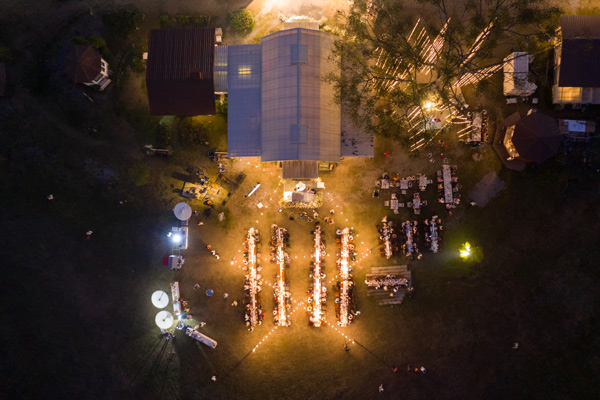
[160, 299]
[164, 320]
[182, 211]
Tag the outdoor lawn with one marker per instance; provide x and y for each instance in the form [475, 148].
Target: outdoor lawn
[79, 322]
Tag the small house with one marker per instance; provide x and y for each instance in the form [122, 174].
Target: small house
[577, 61]
[83, 64]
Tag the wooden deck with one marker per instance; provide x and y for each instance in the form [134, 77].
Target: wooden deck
[388, 297]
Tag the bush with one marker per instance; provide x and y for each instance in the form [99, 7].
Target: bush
[97, 42]
[241, 21]
[164, 20]
[123, 21]
[139, 174]
[133, 57]
[221, 107]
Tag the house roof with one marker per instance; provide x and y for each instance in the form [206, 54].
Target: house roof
[220, 71]
[536, 137]
[580, 54]
[82, 63]
[580, 26]
[2, 78]
[243, 113]
[299, 118]
[179, 76]
[300, 169]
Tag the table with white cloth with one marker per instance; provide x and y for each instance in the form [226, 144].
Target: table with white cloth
[447, 175]
[175, 297]
[423, 181]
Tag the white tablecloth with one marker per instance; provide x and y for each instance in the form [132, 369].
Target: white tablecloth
[175, 297]
[447, 184]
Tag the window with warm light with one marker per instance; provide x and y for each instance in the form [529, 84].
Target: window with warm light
[508, 143]
[244, 71]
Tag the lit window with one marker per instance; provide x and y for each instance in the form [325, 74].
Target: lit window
[244, 70]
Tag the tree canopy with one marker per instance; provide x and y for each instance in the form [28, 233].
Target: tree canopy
[394, 65]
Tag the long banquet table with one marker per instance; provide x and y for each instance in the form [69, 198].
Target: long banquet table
[175, 297]
[282, 318]
[345, 281]
[317, 314]
[448, 198]
[253, 276]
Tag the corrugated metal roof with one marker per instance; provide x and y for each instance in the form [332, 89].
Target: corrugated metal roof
[314, 25]
[82, 63]
[243, 115]
[300, 170]
[355, 141]
[220, 73]
[580, 54]
[580, 63]
[580, 26]
[179, 76]
[295, 94]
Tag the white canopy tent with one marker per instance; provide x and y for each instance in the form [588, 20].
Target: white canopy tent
[160, 299]
[516, 69]
[164, 320]
[182, 211]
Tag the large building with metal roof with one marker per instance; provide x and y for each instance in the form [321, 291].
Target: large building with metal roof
[280, 105]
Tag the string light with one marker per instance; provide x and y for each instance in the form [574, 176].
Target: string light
[346, 337]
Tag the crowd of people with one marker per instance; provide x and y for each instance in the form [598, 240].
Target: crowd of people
[433, 233]
[280, 240]
[448, 187]
[386, 234]
[410, 236]
[387, 282]
[344, 290]
[317, 291]
[253, 279]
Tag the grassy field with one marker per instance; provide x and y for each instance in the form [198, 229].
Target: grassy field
[78, 317]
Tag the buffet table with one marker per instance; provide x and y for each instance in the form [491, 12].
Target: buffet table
[175, 296]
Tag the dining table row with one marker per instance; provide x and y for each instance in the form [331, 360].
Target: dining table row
[344, 293]
[253, 314]
[386, 234]
[317, 290]
[281, 291]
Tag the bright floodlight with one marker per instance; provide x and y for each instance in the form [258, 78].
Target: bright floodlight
[176, 238]
[428, 105]
[465, 251]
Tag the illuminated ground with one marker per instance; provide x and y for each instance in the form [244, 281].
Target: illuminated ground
[78, 317]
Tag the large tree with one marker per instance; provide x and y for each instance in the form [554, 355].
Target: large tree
[396, 64]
